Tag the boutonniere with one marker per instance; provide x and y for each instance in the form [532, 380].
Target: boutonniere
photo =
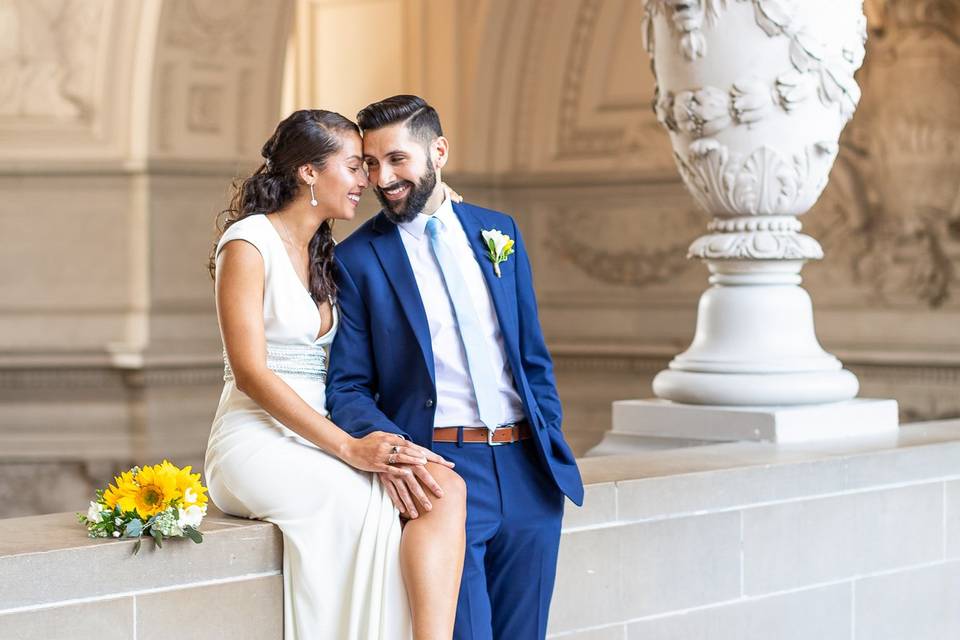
[499, 247]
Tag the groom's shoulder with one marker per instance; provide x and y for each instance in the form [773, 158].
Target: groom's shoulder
[357, 242]
[489, 217]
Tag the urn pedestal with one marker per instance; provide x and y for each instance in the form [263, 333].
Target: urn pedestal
[754, 95]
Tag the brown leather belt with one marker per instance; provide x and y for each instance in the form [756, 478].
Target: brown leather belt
[503, 435]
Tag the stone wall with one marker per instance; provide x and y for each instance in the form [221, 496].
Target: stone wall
[850, 539]
[855, 539]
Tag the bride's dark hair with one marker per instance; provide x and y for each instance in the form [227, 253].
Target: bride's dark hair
[308, 136]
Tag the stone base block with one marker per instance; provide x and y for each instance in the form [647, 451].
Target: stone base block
[636, 422]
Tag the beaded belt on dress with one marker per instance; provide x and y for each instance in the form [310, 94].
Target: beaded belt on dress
[296, 360]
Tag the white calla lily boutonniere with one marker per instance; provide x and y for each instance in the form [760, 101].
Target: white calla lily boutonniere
[499, 247]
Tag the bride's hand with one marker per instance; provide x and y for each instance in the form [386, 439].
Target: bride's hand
[380, 451]
[453, 195]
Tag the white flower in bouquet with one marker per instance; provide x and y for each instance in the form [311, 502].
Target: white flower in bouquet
[190, 517]
[93, 513]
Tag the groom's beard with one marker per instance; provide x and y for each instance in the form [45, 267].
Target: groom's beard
[407, 209]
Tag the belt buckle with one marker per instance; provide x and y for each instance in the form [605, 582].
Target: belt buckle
[490, 441]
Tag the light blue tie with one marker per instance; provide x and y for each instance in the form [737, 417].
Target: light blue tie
[468, 322]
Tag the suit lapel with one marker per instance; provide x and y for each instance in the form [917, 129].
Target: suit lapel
[504, 303]
[396, 266]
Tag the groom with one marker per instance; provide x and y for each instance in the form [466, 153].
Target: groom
[442, 344]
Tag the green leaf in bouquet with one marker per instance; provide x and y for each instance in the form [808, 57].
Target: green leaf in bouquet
[133, 529]
[157, 538]
[136, 547]
[193, 534]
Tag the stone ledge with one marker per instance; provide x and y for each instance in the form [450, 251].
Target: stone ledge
[731, 455]
[669, 483]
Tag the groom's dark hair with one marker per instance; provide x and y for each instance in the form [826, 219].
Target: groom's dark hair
[419, 117]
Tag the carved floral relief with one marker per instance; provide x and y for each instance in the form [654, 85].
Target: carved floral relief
[48, 58]
[892, 210]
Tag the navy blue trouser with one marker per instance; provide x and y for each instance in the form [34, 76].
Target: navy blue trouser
[514, 511]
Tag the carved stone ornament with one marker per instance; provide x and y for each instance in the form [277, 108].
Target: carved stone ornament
[754, 95]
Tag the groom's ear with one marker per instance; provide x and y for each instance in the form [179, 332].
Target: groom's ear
[439, 152]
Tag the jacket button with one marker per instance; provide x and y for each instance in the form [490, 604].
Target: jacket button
[429, 403]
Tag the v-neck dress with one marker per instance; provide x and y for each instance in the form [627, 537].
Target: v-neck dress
[341, 532]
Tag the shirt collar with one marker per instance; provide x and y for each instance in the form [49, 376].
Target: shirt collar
[418, 226]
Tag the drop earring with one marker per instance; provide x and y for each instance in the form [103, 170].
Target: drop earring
[313, 198]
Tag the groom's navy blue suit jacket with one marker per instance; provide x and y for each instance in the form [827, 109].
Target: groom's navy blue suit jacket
[381, 376]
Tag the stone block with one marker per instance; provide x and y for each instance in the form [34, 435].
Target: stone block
[903, 464]
[916, 604]
[725, 488]
[952, 519]
[588, 584]
[613, 574]
[599, 506]
[794, 544]
[680, 562]
[821, 614]
[226, 611]
[99, 620]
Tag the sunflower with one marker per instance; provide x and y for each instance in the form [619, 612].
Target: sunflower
[189, 486]
[125, 485]
[156, 486]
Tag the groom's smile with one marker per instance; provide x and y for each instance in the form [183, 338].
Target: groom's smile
[404, 173]
[397, 192]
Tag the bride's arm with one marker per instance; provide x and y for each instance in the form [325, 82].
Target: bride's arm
[239, 296]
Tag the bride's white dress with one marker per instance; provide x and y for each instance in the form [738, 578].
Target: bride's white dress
[341, 532]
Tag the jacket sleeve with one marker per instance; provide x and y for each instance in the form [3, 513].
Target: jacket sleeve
[537, 363]
[352, 376]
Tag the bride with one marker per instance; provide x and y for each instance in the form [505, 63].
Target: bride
[273, 454]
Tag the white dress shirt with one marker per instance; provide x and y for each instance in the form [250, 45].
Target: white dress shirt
[456, 399]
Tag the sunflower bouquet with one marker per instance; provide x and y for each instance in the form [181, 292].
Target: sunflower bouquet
[157, 501]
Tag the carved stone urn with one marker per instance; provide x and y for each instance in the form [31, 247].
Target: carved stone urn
[754, 94]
